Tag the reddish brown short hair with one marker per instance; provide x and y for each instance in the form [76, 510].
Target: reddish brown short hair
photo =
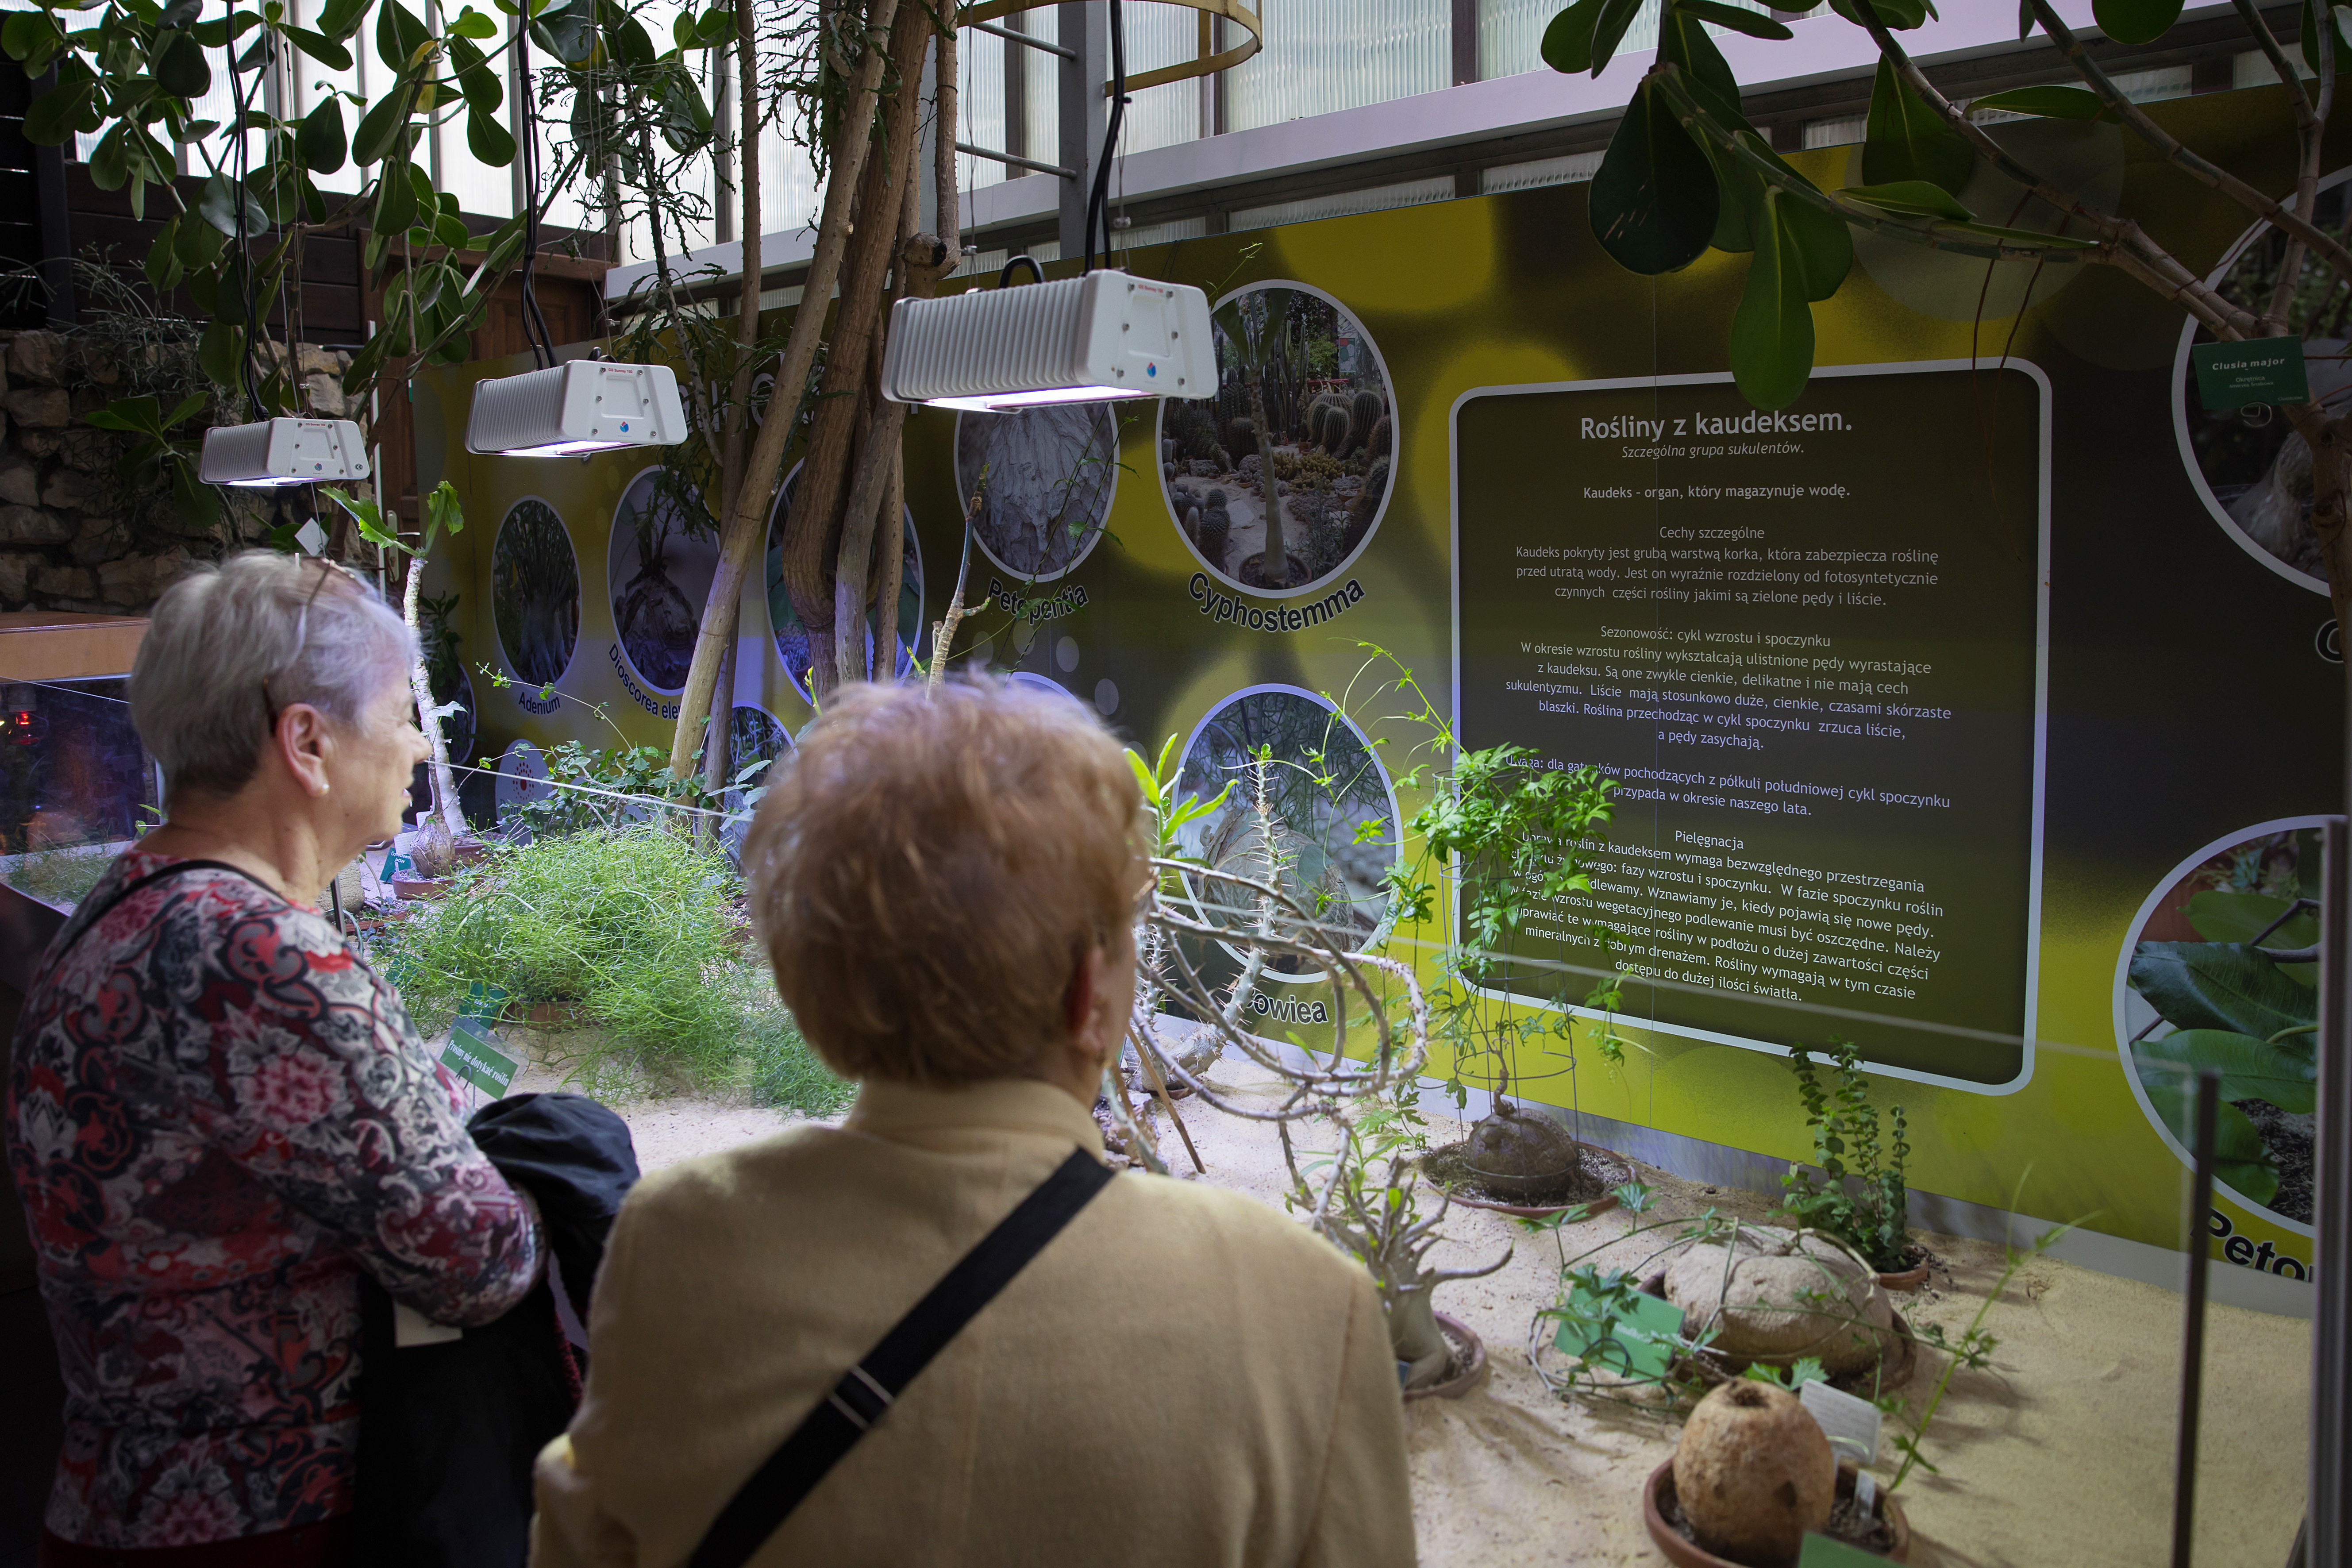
[928, 870]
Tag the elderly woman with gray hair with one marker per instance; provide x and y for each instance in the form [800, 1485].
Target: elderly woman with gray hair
[218, 1115]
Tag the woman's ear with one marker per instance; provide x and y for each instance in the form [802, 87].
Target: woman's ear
[306, 745]
[1086, 989]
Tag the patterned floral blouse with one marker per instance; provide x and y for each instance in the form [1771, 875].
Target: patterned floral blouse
[217, 1115]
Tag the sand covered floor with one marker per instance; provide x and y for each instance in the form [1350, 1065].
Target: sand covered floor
[2061, 1455]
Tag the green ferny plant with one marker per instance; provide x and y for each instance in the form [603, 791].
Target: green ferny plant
[1847, 1144]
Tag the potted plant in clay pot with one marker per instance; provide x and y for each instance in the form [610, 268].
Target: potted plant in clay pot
[1859, 1197]
[1752, 1476]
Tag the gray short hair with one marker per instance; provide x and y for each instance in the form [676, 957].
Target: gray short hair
[220, 632]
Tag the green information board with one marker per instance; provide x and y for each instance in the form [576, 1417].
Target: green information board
[2264, 370]
[472, 1057]
[1809, 646]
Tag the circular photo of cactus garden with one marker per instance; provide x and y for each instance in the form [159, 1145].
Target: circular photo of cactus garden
[1309, 810]
[2248, 463]
[2222, 973]
[1303, 406]
[1050, 473]
[535, 592]
[792, 638]
[657, 568]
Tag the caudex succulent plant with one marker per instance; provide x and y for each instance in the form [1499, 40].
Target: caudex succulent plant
[1359, 1196]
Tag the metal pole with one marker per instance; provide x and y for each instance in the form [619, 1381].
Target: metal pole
[2329, 1536]
[1082, 28]
[2192, 1349]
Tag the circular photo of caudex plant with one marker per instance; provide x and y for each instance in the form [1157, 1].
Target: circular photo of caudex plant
[1306, 807]
[657, 569]
[2249, 462]
[792, 636]
[535, 592]
[1278, 480]
[1044, 477]
[2222, 973]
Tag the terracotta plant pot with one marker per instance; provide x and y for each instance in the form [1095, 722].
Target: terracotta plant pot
[1470, 1376]
[1658, 1499]
[470, 853]
[1910, 1279]
[422, 887]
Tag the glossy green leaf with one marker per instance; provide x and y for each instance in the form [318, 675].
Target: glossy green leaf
[182, 70]
[479, 83]
[318, 141]
[451, 231]
[130, 416]
[2220, 986]
[1567, 38]
[1755, 23]
[1906, 139]
[322, 49]
[339, 19]
[570, 35]
[1655, 199]
[380, 127]
[395, 199]
[110, 160]
[2285, 1073]
[1900, 14]
[221, 200]
[2309, 42]
[2135, 21]
[1824, 244]
[1911, 198]
[30, 37]
[57, 113]
[472, 23]
[163, 268]
[632, 47]
[489, 141]
[2242, 917]
[398, 35]
[196, 243]
[1772, 330]
[2050, 102]
[1616, 17]
[686, 122]
[2240, 1158]
[221, 351]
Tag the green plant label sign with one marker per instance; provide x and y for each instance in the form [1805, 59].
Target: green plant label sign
[2266, 370]
[471, 1056]
[1638, 1340]
[1821, 1551]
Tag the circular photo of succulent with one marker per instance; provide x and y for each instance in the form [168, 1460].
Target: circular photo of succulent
[1044, 477]
[1306, 807]
[791, 637]
[2248, 462]
[657, 568]
[1277, 482]
[535, 592]
[2222, 973]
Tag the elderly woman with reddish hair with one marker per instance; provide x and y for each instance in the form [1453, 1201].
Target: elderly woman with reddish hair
[947, 886]
[218, 1116]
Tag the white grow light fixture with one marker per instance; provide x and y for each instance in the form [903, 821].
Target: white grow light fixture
[284, 451]
[580, 406]
[1082, 340]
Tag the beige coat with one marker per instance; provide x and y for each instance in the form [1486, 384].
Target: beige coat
[1183, 1377]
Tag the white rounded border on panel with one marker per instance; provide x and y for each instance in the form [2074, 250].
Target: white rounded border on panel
[579, 587]
[2189, 462]
[2124, 996]
[1093, 535]
[1386, 922]
[1338, 573]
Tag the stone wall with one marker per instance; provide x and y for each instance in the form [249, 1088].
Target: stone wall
[62, 546]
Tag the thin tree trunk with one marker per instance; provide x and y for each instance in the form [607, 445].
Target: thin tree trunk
[813, 532]
[739, 538]
[718, 753]
[717, 766]
[443, 782]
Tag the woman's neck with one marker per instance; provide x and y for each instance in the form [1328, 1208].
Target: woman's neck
[278, 848]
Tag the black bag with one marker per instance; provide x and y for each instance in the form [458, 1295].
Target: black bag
[448, 1432]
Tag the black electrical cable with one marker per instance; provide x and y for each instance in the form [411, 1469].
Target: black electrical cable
[541, 340]
[1036, 271]
[238, 196]
[1097, 214]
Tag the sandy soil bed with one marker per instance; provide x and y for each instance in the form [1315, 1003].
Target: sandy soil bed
[2060, 1455]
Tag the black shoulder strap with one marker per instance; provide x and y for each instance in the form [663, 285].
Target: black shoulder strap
[136, 883]
[865, 1391]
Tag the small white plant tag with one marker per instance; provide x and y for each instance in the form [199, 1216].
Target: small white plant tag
[1865, 1491]
[1850, 1423]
